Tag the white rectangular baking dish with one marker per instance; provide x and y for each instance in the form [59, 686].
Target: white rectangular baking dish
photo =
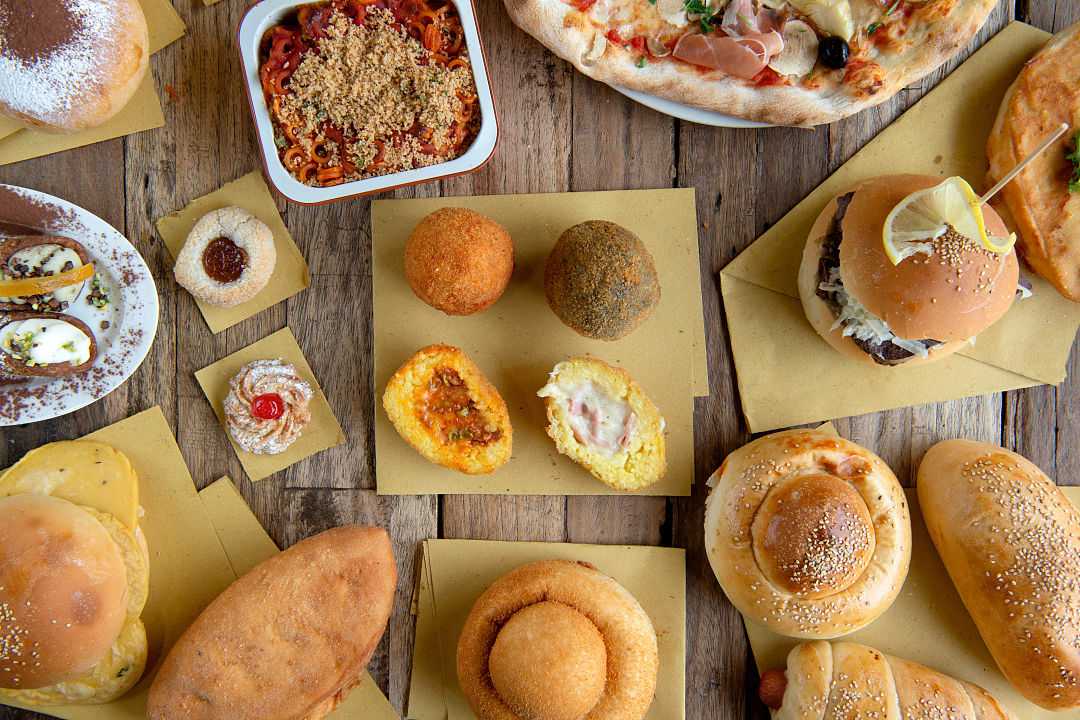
[262, 16]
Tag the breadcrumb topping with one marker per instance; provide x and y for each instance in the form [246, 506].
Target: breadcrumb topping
[377, 83]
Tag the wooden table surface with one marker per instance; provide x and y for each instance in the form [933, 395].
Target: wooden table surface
[559, 131]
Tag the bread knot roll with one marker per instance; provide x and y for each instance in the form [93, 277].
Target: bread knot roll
[808, 533]
[843, 681]
[558, 640]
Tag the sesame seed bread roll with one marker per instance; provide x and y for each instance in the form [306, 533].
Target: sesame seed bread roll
[288, 640]
[842, 680]
[1010, 540]
[808, 533]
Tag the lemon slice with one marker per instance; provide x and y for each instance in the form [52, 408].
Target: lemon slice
[926, 215]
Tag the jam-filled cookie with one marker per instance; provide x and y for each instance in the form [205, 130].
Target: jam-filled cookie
[228, 257]
[266, 409]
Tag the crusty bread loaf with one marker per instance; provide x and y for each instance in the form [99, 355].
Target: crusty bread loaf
[286, 641]
[1010, 540]
[841, 681]
[808, 533]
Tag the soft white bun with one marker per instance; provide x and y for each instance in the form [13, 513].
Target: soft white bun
[63, 591]
[808, 533]
[1010, 540]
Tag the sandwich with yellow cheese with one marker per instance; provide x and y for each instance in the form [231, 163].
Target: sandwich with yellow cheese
[74, 577]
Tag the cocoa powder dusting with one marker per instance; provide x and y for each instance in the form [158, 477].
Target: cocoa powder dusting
[34, 30]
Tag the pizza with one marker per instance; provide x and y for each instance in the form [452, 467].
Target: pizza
[787, 62]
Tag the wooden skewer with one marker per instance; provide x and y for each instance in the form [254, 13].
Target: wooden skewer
[1054, 136]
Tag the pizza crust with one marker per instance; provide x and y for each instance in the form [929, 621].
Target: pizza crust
[566, 32]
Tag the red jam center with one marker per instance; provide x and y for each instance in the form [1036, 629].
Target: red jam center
[268, 407]
[223, 260]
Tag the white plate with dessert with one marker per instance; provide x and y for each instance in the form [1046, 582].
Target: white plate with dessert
[78, 307]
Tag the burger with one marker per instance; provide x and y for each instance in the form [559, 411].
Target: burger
[73, 577]
[928, 305]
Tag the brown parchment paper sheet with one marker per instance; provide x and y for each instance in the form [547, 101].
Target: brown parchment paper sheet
[250, 193]
[247, 544]
[455, 572]
[142, 113]
[928, 624]
[321, 433]
[518, 340]
[788, 375]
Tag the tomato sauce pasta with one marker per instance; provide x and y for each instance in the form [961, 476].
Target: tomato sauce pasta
[361, 88]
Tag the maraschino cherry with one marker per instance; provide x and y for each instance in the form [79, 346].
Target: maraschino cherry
[268, 407]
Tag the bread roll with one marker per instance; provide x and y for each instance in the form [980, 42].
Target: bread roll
[808, 533]
[1010, 540]
[288, 640]
[558, 640]
[842, 681]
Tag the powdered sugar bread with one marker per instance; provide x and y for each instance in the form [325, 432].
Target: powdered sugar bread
[68, 65]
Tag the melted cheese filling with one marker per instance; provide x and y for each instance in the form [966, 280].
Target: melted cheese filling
[598, 420]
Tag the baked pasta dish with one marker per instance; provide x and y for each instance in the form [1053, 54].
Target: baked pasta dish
[362, 88]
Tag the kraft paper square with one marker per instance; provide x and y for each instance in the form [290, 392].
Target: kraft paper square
[290, 272]
[143, 112]
[455, 572]
[188, 567]
[247, 544]
[928, 624]
[321, 433]
[518, 340]
[788, 375]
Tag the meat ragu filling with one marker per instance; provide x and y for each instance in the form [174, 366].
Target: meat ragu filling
[447, 408]
[869, 332]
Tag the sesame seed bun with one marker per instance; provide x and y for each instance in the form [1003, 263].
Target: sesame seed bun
[918, 298]
[808, 533]
[954, 294]
[63, 591]
[821, 317]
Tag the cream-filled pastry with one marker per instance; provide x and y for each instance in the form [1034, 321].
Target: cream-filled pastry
[267, 407]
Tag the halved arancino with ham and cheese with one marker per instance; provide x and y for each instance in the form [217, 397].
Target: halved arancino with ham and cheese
[440, 403]
[601, 419]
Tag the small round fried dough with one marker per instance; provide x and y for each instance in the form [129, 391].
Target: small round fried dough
[459, 261]
[601, 280]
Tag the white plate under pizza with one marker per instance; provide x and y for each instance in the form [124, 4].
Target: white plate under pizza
[781, 62]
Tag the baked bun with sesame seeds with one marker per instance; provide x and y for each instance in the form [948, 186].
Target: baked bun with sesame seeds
[1010, 540]
[73, 581]
[847, 680]
[808, 533]
[925, 308]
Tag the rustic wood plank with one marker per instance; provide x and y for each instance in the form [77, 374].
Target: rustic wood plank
[717, 651]
[533, 90]
[623, 146]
